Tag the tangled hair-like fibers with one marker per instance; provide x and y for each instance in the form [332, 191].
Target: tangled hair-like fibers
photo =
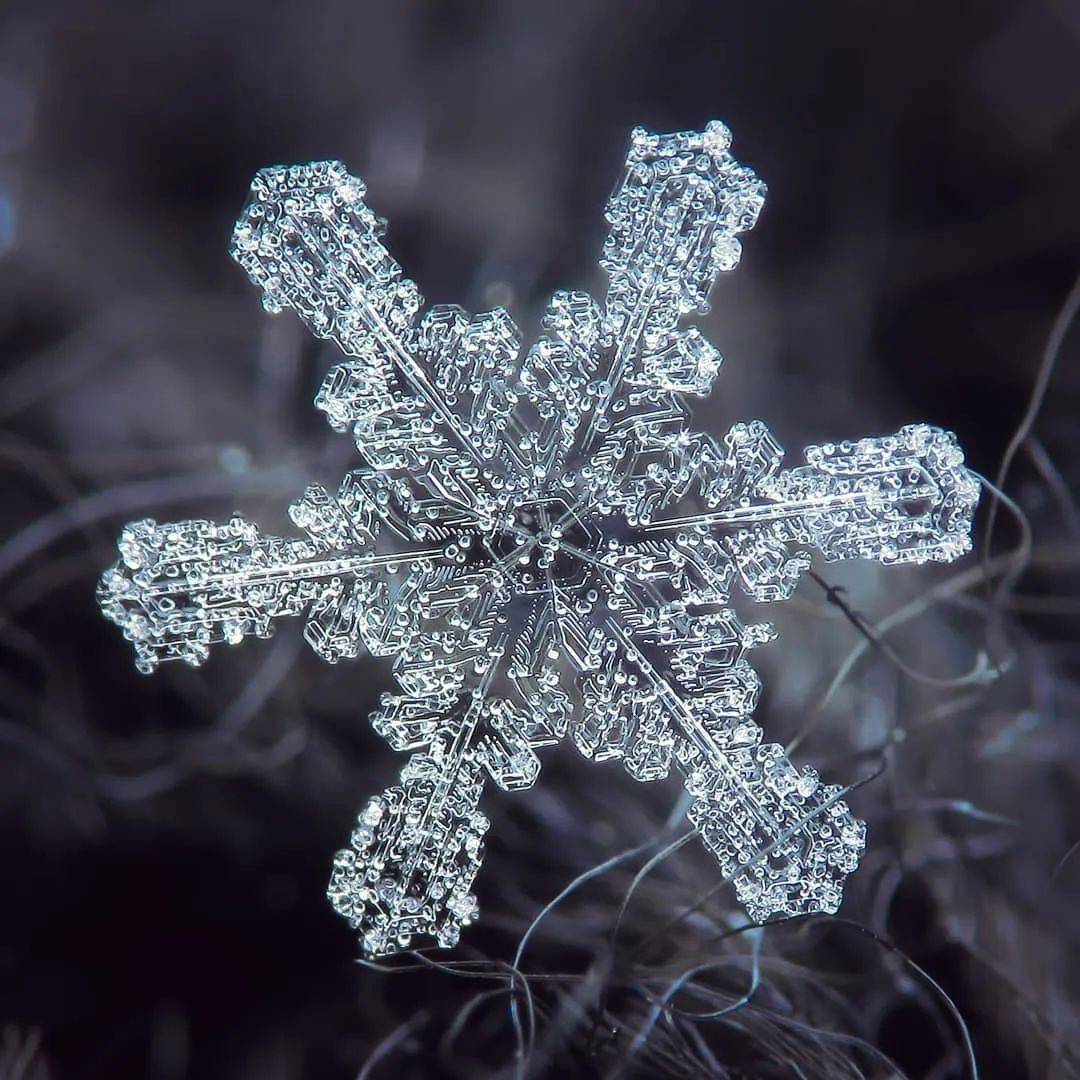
[165, 842]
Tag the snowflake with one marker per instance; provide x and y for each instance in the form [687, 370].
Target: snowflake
[541, 541]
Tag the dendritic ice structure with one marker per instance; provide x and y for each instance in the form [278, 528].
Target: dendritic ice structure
[542, 542]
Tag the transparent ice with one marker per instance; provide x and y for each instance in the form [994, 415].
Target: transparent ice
[541, 540]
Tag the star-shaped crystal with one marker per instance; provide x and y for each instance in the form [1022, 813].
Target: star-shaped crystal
[541, 541]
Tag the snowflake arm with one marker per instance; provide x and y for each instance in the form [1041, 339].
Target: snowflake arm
[541, 541]
[897, 498]
[675, 220]
[430, 398]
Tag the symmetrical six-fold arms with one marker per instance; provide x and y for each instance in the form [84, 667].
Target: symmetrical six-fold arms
[541, 541]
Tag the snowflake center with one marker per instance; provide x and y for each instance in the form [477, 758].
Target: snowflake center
[544, 543]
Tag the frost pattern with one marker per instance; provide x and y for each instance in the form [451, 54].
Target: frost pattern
[542, 542]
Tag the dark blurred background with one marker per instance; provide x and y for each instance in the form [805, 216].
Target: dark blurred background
[165, 842]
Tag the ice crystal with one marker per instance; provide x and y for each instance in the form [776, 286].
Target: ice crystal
[542, 542]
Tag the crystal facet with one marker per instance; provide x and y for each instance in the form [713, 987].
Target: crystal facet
[542, 542]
